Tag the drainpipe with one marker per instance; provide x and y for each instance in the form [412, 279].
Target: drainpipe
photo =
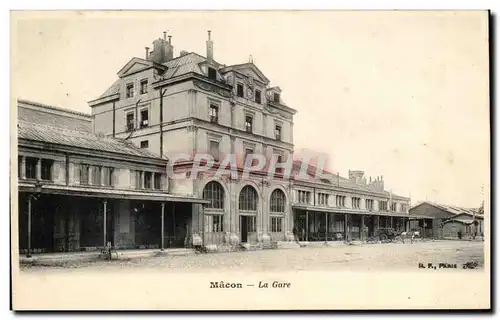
[162, 93]
[67, 169]
[114, 119]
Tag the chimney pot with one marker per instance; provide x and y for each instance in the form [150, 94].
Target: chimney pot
[147, 52]
[169, 39]
[164, 35]
[210, 48]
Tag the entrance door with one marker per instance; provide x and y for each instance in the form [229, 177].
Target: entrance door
[244, 228]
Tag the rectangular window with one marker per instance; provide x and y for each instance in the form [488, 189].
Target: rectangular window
[258, 97]
[96, 175]
[47, 169]
[19, 166]
[214, 149]
[393, 206]
[145, 144]
[369, 204]
[212, 73]
[276, 97]
[214, 113]
[148, 179]
[304, 196]
[84, 174]
[248, 124]
[276, 224]
[356, 202]
[130, 121]
[130, 90]
[323, 199]
[382, 206]
[340, 201]
[217, 223]
[403, 208]
[107, 174]
[31, 168]
[138, 179]
[277, 132]
[144, 118]
[239, 90]
[144, 86]
[157, 181]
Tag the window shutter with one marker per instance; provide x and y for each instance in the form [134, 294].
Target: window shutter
[164, 182]
[76, 176]
[114, 177]
[133, 174]
[55, 171]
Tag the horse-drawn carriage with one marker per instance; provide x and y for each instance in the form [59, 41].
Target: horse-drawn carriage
[385, 235]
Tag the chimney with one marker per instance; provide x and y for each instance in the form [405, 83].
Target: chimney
[169, 49]
[210, 48]
[356, 176]
[158, 54]
[147, 53]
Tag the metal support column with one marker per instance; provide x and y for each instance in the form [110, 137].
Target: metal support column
[362, 233]
[104, 221]
[346, 225]
[307, 225]
[28, 254]
[326, 228]
[162, 226]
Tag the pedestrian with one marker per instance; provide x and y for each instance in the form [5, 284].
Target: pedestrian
[295, 234]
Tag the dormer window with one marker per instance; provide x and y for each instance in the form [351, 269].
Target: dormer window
[212, 73]
[276, 97]
[258, 97]
[130, 90]
[239, 90]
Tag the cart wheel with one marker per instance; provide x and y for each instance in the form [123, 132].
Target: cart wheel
[383, 238]
[398, 239]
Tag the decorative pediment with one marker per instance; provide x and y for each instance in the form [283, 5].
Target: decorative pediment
[250, 70]
[134, 65]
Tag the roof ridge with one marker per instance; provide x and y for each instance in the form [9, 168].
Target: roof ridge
[43, 105]
[89, 135]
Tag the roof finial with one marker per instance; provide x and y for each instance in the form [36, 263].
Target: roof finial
[250, 59]
[209, 34]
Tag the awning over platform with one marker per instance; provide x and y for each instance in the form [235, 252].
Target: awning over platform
[354, 211]
[108, 193]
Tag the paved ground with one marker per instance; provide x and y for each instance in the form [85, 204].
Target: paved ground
[392, 256]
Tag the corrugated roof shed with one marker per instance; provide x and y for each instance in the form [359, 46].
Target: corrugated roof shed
[49, 115]
[80, 139]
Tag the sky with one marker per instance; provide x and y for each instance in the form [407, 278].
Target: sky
[402, 94]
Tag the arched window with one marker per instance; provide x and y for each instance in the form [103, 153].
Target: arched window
[277, 201]
[248, 199]
[214, 192]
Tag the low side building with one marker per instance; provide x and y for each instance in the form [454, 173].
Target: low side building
[79, 191]
[463, 226]
[329, 207]
[443, 221]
